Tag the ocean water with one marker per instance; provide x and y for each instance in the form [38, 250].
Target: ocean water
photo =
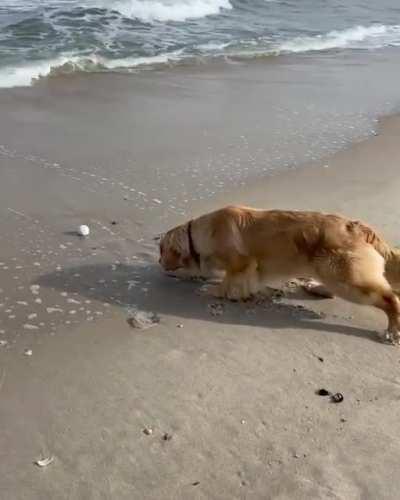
[42, 38]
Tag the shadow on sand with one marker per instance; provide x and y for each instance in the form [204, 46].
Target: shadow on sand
[146, 288]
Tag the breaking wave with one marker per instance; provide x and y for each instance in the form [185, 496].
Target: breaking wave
[157, 10]
[357, 37]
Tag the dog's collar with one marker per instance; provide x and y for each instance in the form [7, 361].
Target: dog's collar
[194, 254]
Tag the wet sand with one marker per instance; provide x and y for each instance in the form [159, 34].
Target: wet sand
[228, 401]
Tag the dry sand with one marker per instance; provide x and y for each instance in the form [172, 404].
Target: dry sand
[198, 406]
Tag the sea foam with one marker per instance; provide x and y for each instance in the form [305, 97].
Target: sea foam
[165, 10]
[357, 37]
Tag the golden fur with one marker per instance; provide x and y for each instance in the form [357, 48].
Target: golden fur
[254, 246]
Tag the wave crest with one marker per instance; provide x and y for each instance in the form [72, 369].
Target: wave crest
[357, 37]
[166, 10]
[24, 76]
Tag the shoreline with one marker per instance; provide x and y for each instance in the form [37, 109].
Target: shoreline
[270, 189]
[234, 393]
[194, 103]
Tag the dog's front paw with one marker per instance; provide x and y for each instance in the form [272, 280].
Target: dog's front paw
[237, 293]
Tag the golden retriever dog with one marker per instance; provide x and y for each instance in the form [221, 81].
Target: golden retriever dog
[252, 247]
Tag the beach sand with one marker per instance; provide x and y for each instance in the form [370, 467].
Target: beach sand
[199, 406]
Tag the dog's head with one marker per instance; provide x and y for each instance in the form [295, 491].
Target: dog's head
[174, 249]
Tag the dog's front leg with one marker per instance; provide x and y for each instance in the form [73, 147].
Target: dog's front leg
[238, 285]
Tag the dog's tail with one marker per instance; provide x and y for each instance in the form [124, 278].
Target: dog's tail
[392, 268]
[389, 253]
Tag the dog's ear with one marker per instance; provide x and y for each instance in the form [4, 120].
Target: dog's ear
[174, 249]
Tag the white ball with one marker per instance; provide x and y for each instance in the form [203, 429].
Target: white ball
[84, 230]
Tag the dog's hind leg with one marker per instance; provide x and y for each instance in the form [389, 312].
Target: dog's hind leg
[357, 275]
[317, 289]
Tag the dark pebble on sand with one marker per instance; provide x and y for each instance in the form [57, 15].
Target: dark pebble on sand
[323, 392]
[337, 398]
[114, 222]
[321, 359]
[196, 483]
[167, 437]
